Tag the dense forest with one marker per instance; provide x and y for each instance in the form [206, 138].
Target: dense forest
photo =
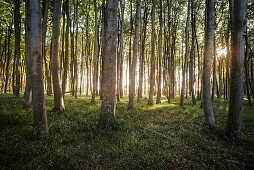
[115, 63]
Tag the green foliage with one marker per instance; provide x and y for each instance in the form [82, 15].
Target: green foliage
[159, 137]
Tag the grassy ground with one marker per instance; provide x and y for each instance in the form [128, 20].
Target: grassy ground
[160, 136]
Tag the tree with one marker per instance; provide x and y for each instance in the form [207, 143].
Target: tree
[108, 106]
[58, 95]
[17, 25]
[152, 76]
[120, 53]
[186, 54]
[96, 54]
[160, 44]
[28, 88]
[234, 121]
[66, 59]
[208, 54]
[134, 59]
[39, 108]
[192, 55]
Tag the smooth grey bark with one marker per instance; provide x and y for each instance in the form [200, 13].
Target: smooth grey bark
[108, 106]
[134, 59]
[158, 100]
[208, 55]
[17, 25]
[234, 121]
[28, 88]
[58, 95]
[66, 59]
[152, 74]
[96, 54]
[120, 53]
[39, 107]
[186, 54]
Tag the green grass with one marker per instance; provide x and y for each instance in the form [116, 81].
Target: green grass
[163, 136]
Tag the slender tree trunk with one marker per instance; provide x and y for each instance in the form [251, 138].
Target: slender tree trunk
[96, 54]
[44, 32]
[108, 107]
[209, 42]
[237, 68]
[192, 55]
[76, 55]
[152, 76]
[66, 59]
[186, 54]
[8, 58]
[158, 100]
[28, 88]
[246, 70]
[58, 95]
[134, 59]
[82, 65]
[63, 34]
[39, 107]
[17, 25]
[214, 70]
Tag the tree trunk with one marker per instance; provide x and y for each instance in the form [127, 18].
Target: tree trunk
[134, 59]
[209, 42]
[44, 32]
[66, 59]
[158, 100]
[76, 55]
[120, 53]
[8, 59]
[237, 68]
[108, 107]
[28, 88]
[186, 54]
[58, 95]
[96, 54]
[214, 70]
[152, 76]
[17, 24]
[192, 55]
[39, 107]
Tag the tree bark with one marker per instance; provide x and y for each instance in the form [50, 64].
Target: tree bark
[96, 54]
[108, 107]
[134, 59]
[58, 95]
[28, 88]
[192, 55]
[158, 100]
[39, 107]
[66, 59]
[186, 54]
[17, 25]
[209, 42]
[237, 68]
[120, 53]
[152, 76]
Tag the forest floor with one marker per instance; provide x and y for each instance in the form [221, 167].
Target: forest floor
[162, 136]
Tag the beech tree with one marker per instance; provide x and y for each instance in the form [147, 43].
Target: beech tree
[108, 106]
[208, 54]
[134, 59]
[152, 76]
[58, 95]
[39, 108]
[237, 68]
